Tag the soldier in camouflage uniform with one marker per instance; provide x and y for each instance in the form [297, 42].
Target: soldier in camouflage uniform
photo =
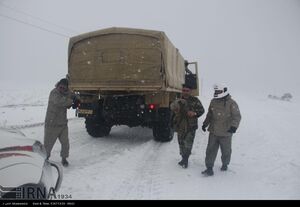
[185, 122]
[223, 118]
[60, 100]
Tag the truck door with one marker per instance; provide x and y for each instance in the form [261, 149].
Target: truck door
[191, 76]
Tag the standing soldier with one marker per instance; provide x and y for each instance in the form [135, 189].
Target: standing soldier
[60, 100]
[223, 118]
[187, 111]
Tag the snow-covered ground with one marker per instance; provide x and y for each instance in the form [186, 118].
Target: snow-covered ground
[128, 164]
[21, 108]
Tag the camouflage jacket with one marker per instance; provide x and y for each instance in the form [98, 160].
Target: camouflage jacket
[194, 104]
[222, 114]
[58, 104]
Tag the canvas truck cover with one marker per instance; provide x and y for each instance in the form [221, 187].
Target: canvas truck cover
[124, 59]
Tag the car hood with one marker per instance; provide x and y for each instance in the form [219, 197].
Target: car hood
[18, 166]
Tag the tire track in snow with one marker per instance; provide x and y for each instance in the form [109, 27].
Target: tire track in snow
[100, 149]
[98, 160]
[103, 162]
[144, 180]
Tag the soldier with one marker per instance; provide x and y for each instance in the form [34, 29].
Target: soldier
[223, 118]
[185, 122]
[60, 100]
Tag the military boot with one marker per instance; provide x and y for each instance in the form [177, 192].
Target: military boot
[208, 172]
[181, 162]
[65, 162]
[185, 161]
[224, 168]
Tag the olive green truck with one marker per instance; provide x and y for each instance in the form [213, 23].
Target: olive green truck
[127, 77]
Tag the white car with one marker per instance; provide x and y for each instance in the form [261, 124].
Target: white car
[25, 173]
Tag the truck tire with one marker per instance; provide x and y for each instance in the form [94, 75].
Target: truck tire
[162, 130]
[97, 127]
[163, 133]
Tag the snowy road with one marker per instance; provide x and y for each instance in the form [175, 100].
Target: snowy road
[128, 164]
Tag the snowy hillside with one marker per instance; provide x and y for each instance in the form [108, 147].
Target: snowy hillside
[24, 107]
[128, 164]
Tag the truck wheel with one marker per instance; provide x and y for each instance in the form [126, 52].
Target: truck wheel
[97, 128]
[163, 134]
[162, 130]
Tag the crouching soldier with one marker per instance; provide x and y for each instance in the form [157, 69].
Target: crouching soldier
[222, 119]
[185, 122]
[60, 100]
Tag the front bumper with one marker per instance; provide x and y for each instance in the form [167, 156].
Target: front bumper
[59, 170]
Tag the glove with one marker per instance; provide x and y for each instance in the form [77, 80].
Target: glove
[204, 128]
[232, 129]
[76, 103]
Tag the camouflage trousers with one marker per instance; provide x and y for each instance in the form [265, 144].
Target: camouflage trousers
[186, 141]
[50, 137]
[214, 142]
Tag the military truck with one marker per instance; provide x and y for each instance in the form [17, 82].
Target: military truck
[127, 76]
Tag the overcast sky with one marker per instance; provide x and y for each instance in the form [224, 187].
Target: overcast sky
[250, 45]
